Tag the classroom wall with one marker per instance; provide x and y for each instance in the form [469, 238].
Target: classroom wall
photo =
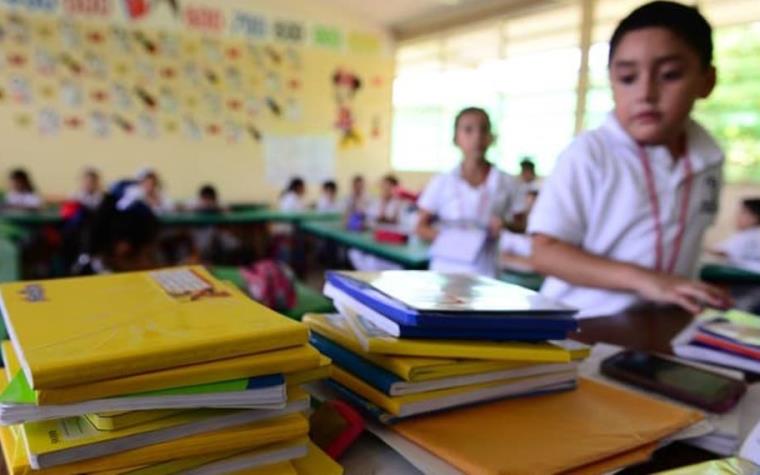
[259, 105]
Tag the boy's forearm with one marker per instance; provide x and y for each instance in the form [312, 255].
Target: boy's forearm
[572, 264]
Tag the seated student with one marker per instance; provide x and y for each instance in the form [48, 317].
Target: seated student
[527, 183]
[515, 248]
[213, 244]
[292, 198]
[386, 210]
[119, 239]
[21, 193]
[743, 248]
[328, 200]
[207, 200]
[90, 193]
[621, 218]
[475, 196]
[147, 189]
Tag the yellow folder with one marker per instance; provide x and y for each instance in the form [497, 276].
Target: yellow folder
[547, 434]
[79, 330]
[288, 360]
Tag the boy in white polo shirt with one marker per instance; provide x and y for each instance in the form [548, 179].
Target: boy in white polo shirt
[622, 217]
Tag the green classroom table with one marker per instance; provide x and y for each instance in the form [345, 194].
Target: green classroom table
[725, 273]
[308, 300]
[410, 256]
[529, 280]
[31, 218]
[190, 218]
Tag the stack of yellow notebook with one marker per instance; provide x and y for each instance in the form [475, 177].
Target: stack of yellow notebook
[166, 371]
[407, 343]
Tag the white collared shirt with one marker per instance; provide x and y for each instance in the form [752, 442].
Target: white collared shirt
[743, 249]
[29, 200]
[597, 198]
[449, 197]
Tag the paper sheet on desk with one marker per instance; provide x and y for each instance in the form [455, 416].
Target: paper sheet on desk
[459, 244]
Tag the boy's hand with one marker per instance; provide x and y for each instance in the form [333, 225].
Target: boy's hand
[689, 294]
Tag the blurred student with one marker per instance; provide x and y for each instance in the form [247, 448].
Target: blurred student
[463, 212]
[292, 197]
[147, 189]
[328, 199]
[357, 201]
[515, 248]
[743, 248]
[384, 211]
[90, 193]
[207, 200]
[527, 183]
[21, 193]
[621, 219]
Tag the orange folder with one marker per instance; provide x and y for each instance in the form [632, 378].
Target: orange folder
[573, 430]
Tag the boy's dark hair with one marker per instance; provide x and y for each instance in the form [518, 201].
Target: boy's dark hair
[208, 192]
[470, 110]
[527, 164]
[295, 184]
[390, 178]
[22, 177]
[753, 206]
[91, 172]
[330, 186]
[357, 178]
[682, 20]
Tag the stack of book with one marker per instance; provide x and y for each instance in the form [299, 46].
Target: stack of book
[461, 374]
[407, 343]
[154, 372]
[728, 338]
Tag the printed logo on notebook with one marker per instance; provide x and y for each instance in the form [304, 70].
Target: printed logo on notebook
[33, 293]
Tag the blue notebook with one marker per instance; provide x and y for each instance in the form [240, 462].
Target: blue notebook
[356, 365]
[508, 307]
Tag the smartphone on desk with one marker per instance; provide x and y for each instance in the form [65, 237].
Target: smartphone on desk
[705, 389]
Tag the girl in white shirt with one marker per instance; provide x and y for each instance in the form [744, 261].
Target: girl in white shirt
[743, 248]
[21, 193]
[475, 195]
[292, 198]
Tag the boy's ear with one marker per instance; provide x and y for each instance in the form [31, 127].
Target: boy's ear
[710, 79]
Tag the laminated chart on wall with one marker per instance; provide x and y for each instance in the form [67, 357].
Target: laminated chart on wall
[102, 69]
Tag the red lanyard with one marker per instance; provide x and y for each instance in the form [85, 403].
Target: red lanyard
[655, 202]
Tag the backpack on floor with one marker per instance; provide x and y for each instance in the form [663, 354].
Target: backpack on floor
[271, 283]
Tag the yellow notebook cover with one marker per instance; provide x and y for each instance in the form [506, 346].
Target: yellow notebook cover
[317, 462]
[294, 359]
[181, 465]
[84, 329]
[544, 352]
[112, 421]
[61, 434]
[409, 368]
[547, 434]
[421, 368]
[309, 375]
[396, 405]
[240, 438]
